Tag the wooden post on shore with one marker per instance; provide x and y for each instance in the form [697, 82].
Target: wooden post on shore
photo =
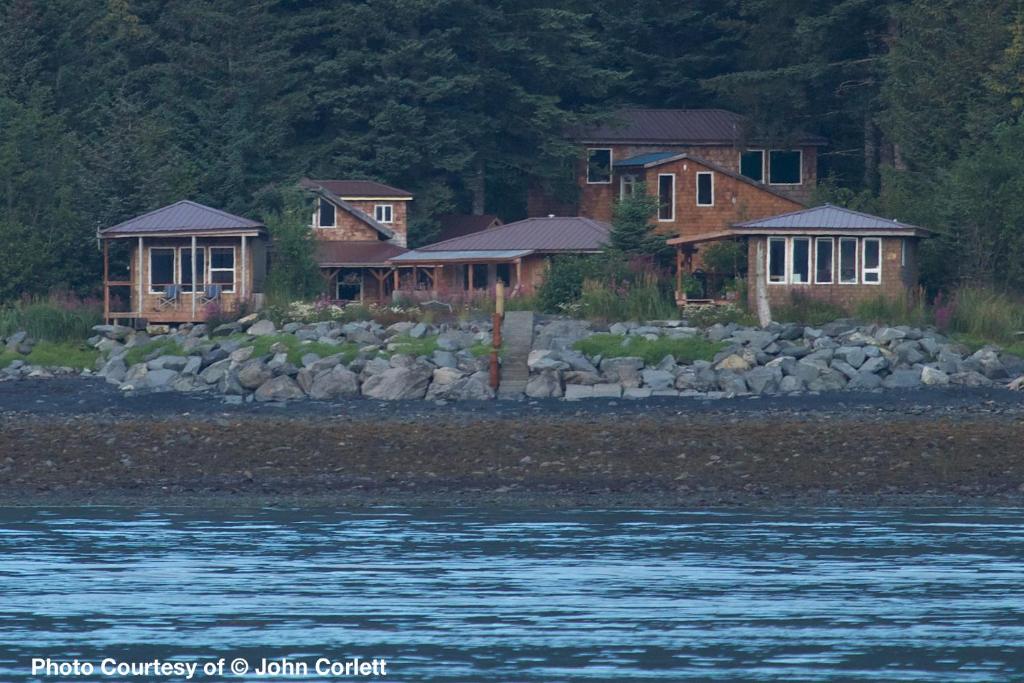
[499, 315]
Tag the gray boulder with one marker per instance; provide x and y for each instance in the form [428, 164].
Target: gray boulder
[280, 388]
[732, 382]
[764, 380]
[262, 328]
[215, 372]
[658, 379]
[933, 376]
[546, 384]
[874, 365]
[854, 356]
[790, 384]
[970, 378]
[158, 380]
[175, 363]
[253, 374]
[334, 383]
[865, 381]
[398, 383]
[829, 380]
[903, 379]
[625, 370]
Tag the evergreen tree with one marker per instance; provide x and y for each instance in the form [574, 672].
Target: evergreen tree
[631, 225]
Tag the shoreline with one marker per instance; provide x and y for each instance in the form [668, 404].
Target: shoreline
[69, 442]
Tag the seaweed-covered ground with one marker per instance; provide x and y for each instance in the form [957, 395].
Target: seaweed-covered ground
[79, 441]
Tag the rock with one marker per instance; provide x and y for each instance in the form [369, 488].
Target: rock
[575, 392]
[189, 384]
[807, 371]
[619, 329]
[546, 384]
[854, 356]
[334, 383]
[790, 384]
[624, 370]
[889, 334]
[226, 329]
[280, 388]
[903, 379]
[812, 333]
[757, 339]
[829, 380]
[933, 376]
[241, 355]
[374, 366]
[214, 372]
[418, 331]
[398, 383]
[115, 332]
[175, 363]
[865, 381]
[733, 362]
[658, 379]
[607, 390]
[560, 335]
[192, 366]
[445, 359]
[970, 378]
[732, 382]
[308, 360]
[986, 361]
[576, 360]
[16, 341]
[874, 365]
[262, 328]
[158, 380]
[848, 370]
[539, 360]
[581, 377]
[114, 370]
[909, 352]
[764, 380]
[254, 374]
[637, 393]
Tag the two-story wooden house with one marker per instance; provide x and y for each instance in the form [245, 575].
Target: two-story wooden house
[358, 225]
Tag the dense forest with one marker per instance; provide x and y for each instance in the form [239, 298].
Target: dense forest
[108, 109]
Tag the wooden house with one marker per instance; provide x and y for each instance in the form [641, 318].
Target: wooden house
[161, 251]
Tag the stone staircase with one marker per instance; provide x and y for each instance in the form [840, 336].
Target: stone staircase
[517, 338]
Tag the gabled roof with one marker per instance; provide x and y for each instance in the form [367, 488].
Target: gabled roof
[459, 225]
[675, 126]
[183, 217]
[358, 214]
[427, 257]
[831, 218]
[570, 234]
[353, 189]
[644, 159]
[332, 254]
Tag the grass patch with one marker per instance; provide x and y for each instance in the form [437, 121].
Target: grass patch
[404, 344]
[904, 310]
[296, 348]
[807, 310]
[54, 319]
[684, 350]
[986, 314]
[166, 347]
[55, 354]
[641, 300]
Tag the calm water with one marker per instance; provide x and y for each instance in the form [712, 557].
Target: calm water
[891, 595]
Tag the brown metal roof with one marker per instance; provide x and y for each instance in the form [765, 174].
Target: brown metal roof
[535, 234]
[675, 126]
[348, 189]
[335, 254]
[183, 217]
[830, 218]
[459, 225]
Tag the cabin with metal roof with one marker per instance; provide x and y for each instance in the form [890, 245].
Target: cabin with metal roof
[149, 262]
[516, 254]
[831, 253]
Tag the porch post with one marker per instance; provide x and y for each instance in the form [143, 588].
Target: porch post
[470, 267]
[679, 270]
[138, 267]
[397, 281]
[106, 280]
[437, 276]
[245, 276]
[519, 273]
[195, 280]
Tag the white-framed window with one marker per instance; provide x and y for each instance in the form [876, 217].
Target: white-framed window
[800, 260]
[325, 214]
[599, 166]
[871, 261]
[776, 260]
[785, 167]
[666, 196]
[824, 261]
[185, 268]
[847, 260]
[705, 188]
[628, 184]
[384, 213]
[752, 164]
[903, 252]
[222, 268]
[161, 269]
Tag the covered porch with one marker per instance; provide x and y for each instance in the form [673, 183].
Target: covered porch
[688, 264]
[357, 271]
[470, 274]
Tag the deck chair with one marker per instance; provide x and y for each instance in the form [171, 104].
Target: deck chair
[210, 294]
[169, 298]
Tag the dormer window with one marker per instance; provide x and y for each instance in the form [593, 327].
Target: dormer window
[384, 213]
[784, 167]
[628, 184]
[599, 166]
[326, 214]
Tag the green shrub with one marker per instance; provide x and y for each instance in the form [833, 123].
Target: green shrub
[642, 299]
[165, 347]
[707, 315]
[293, 273]
[563, 283]
[905, 310]
[57, 318]
[424, 346]
[987, 314]
[807, 310]
[296, 348]
[684, 350]
[726, 257]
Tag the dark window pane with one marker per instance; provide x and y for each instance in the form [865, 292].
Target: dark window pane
[871, 253]
[222, 257]
[823, 261]
[666, 197]
[752, 165]
[326, 213]
[186, 268]
[776, 260]
[801, 260]
[599, 166]
[848, 260]
[784, 167]
[705, 189]
[161, 267]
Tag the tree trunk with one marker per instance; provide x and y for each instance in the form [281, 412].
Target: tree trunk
[764, 311]
[870, 153]
[477, 186]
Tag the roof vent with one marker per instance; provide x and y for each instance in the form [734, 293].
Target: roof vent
[551, 215]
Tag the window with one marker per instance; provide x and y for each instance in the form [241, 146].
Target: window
[222, 267]
[666, 197]
[801, 261]
[823, 270]
[705, 189]
[847, 260]
[186, 268]
[628, 185]
[326, 214]
[752, 164]
[784, 167]
[384, 213]
[350, 285]
[776, 260]
[872, 261]
[903, 252]
[161, 269]
[599, 166]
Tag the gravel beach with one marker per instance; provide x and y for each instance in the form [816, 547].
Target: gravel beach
[79, 441]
